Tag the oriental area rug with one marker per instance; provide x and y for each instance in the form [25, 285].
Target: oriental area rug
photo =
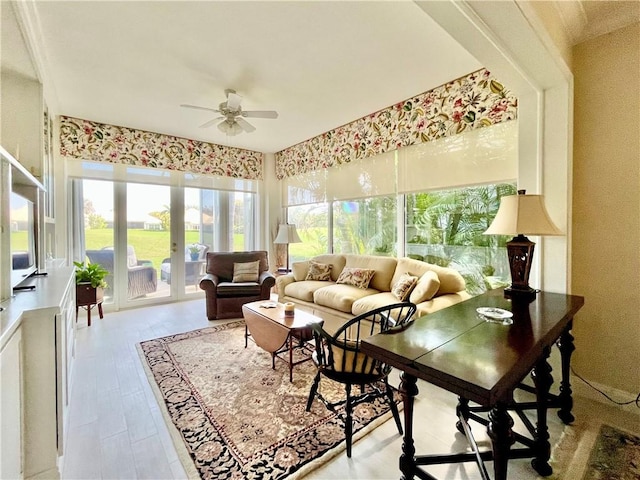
[232, 416]
[615, 456]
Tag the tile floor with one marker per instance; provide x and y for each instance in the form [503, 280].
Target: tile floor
[116, 429]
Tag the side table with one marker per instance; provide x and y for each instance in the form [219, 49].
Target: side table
[278, 273]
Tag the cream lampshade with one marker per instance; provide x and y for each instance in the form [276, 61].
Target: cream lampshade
[521, 215]
[287, 234]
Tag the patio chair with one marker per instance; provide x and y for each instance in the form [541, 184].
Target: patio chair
[338, 357]
[142, 276]
[192, 265]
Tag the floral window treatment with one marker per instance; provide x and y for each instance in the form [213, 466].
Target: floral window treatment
[474, 101]
[87, 140]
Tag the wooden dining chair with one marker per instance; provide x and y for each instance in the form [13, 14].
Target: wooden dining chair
[339, 358]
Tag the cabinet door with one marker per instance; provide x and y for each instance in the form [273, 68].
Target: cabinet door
[11, 408]
[65, 352]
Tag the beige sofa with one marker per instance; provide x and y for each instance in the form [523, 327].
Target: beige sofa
[326, 298]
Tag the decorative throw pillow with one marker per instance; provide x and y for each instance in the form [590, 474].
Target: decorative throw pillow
[246, 272]
[403, 287]
[319, 271]
[299, 270]
[358, 277]
[426, 288]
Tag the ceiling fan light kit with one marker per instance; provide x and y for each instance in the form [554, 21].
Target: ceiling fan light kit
[233, 117]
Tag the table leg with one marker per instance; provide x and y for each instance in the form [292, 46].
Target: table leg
[408, 391]
[290, 340]
[246, 335]
[88, 315]
[501, 435]
[566, 346]
[543, 380]
[100, 310]
[462, 409]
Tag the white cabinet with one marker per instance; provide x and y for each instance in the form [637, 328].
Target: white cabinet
[45, 319]
[10, 407]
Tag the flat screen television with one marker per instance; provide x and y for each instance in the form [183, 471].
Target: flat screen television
[23, 238]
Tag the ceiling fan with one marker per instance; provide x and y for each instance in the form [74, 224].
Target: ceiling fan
[232, 119]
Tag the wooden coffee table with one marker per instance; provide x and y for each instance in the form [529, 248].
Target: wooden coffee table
[276, 333]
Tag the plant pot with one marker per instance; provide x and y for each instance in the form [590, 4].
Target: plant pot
[87, 295]
[194, 256]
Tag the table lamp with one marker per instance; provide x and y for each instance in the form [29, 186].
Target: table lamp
[287, 234]
[521, 215]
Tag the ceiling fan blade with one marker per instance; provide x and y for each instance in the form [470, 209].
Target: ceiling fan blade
[200, 108]
[260, 114]
[246, 126]
[211, 122]
[233, 101]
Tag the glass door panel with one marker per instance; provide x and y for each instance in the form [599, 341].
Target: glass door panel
[148, 241]
[98, 227]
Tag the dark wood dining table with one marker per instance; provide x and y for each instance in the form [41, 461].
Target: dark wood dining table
[483, 363]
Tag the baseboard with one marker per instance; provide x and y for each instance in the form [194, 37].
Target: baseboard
[580, 388]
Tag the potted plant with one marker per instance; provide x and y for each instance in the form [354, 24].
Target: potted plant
[90, 283]
[194, 251]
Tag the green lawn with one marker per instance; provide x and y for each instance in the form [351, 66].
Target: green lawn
[19, 241]
[152, 245]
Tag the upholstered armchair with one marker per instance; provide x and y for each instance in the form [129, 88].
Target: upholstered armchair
[225, 297]
[142, 276]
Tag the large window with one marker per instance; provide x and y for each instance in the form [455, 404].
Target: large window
[446, 228]
[430, 201]
[366, 226]
[312, 222]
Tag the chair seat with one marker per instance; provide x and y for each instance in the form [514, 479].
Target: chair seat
[230, 289]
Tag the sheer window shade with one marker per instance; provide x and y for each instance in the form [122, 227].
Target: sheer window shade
[369, 177]
[156, 176]
[485, 155]
[306, 188]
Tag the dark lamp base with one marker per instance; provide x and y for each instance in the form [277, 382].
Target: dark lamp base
[515, 294]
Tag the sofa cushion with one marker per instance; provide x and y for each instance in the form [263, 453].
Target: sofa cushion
[340, 296]
[319, 271]
[450, 280]
[426, 288]
[246, 271]
[304, 290]
[337, 263]
[372, 302]
[358, 277]
[300, 270]
[403, 287]
[383, 266]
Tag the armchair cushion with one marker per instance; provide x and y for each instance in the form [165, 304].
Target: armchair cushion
[246, 272]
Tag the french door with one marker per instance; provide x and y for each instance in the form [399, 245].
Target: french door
[153, 238]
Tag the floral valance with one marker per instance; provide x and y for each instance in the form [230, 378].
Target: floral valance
[100, 142]
[474, 101]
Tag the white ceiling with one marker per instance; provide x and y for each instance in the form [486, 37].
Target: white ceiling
[319, 64]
